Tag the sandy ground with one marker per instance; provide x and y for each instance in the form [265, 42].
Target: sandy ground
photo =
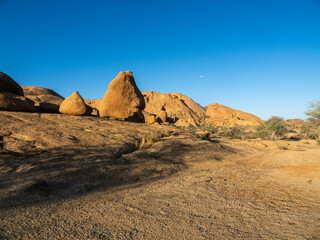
[179, 188]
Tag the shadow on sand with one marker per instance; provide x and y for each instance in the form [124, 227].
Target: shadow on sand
[66, 173]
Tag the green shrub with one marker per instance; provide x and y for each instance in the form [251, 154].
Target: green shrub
[314, 110]
[231, 132]
[272, 129]
[311, 129]
[208, 128]
[191, 128]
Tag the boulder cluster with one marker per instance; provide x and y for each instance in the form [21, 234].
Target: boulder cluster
[123, 101]
[12, 97]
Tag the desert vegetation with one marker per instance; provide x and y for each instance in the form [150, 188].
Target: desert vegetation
[311, 128]
[275, 128]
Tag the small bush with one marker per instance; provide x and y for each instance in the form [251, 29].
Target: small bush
[231, 132]
[311, 129]
[191, 128]
[272, 129]
[208, 128]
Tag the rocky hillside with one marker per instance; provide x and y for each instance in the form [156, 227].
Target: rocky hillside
[180, 109]
[220, 115]
[184, 111]
[123, 101]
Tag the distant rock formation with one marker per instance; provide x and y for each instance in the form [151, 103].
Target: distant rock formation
[7, 84]
[75, 105]
[123, 99]
[183, 111]
[180, 109]
[294, 122]
[220, 115]
[47, 99]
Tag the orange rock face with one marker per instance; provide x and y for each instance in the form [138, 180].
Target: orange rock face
[180, 109]
[123, 99]
[75, 105]
[47, 99]
[220, 115]
[183, 111]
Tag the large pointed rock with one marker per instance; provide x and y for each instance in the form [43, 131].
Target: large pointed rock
[75, 105]
[123, 99]
[7, 84]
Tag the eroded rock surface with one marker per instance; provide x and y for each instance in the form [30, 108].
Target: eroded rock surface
[75, 105]
[180, 109]
[220, 115]
[13, 102]
[123, 99]
[47, 99]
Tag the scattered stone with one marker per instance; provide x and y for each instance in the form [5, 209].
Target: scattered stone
[123, 99]
[75, 105]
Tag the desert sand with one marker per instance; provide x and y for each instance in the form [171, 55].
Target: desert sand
[83, 177]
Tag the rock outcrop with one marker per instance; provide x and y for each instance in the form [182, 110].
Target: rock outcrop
[294, 122]
[47, 99]
[162, 116]
[150, 119]
[7, 84]
[13, 102]
[94, 103]
[75, 105]
[220, 115]
[181, 110]
[12, 97]
[123, 99]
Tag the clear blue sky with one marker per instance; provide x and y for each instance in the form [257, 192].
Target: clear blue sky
[259, 56]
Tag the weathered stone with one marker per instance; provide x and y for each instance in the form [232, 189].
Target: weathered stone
[7, 84]
[13, 102]
[151, 119]
[47, 99]
[123, 99]
[75, 105]
[162, 116]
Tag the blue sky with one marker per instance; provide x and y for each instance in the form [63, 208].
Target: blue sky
[258, 56]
